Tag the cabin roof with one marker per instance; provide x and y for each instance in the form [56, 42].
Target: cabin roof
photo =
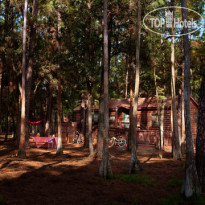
[143, 103]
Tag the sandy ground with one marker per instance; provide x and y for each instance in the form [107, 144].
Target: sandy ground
[44, 178]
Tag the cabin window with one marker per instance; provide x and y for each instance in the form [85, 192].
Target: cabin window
[112, 117]
[126, 120]
[154, 120]
[95, 118]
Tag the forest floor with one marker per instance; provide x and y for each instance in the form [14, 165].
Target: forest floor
[44, 178]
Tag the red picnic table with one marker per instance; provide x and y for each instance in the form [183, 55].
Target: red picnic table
[46, 142]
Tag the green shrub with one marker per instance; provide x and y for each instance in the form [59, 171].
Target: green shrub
[144, 180]
[175, 182]
[1, 199]
[181, 200]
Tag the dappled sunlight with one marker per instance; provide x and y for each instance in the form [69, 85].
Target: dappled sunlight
[75, 171]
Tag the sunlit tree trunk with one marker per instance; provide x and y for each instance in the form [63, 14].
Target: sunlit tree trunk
[18, 121]
[160, 113]
[22, 147]
[29, 70]
[90, 124]
[200, 139]
[175, 138]
[86, 141]
[59, 150]
[161, 125]
[183, 136]
[191, 182]
[134, 162]
[105, 168]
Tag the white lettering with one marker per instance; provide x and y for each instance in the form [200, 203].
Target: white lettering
[152, 22]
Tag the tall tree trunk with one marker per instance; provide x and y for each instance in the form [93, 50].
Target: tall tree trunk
[18, 121]
[48, 112]
[3, 54]
[86, 141]
[191, 183]
[126, 78]
[59, 150]
[22, 147]
[131, 102]
[90, 124]
[161, 126]
[100, 119]
[105, 168]
[29, 70]
[160, 114]
[83, 121]
[200, 139]
[7, 116]
[175, 135]
[1, 77]
[134, 162]
[183, 136]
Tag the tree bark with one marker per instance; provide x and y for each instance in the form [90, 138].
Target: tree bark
[126, 78]
[90, 124]
[59, 150]
[48, 112]
[200, 139]
[1, 77]
[22, 147]
[175, 135]
[4, 33]
[7, 117]
[131, 104]
[100, 119]
[134, 162]
[105, 168]
[191, 183]
[29, 70]
[160, 114]
[183, 137]
[83, 121]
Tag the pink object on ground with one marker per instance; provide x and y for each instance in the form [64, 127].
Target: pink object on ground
[44, 142]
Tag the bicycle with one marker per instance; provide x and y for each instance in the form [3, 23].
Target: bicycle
[120, 142]
[77, 139]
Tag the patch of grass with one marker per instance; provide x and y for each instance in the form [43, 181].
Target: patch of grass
[182, 165]
[175, 182]
[105, 183]
[144, 180]
[181, 200]
[134, 201]
[114, 203]
[110, 176]
[1, 199]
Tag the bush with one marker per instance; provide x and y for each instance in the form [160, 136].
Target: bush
[175, 182]
[144, 180]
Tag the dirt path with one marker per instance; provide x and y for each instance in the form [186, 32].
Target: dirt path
[43, 178]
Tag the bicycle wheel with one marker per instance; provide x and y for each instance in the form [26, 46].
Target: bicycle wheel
[110, 142]
[122, 142]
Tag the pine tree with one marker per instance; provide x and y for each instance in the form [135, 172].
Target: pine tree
[105, 167]
[22, 145]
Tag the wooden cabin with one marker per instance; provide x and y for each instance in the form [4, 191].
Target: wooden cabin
[147, 120]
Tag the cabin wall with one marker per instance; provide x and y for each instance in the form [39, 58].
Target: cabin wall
[148, 133]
